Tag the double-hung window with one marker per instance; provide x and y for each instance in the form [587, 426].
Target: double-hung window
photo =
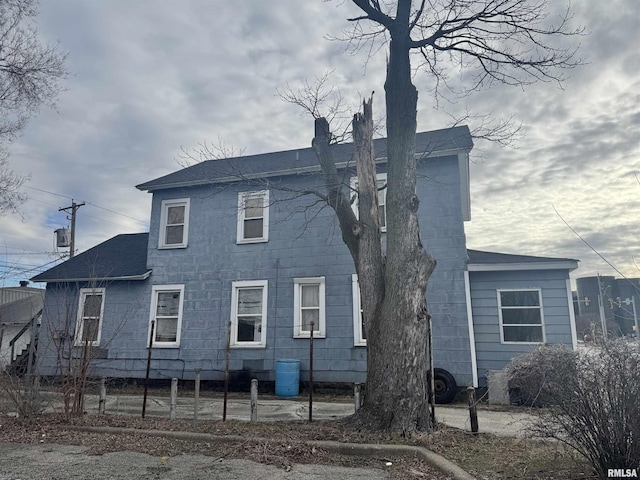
[381, 183]
[90, 314]
[166, 314]
[359, 330]
[521, 316]
[253, 217]
[174, 223]
[249, 313]
[309, 306]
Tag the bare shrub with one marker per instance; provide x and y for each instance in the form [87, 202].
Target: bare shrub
[18, 396]
[591, 398]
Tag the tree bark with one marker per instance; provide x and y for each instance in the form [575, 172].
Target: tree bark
[397, 395]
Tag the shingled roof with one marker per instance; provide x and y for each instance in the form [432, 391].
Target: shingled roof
[123, 257]
[485, 261]
[434, 143]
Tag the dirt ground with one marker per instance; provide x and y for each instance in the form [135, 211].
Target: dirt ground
[282, 444]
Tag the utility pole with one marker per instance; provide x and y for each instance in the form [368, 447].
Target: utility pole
[72, 210]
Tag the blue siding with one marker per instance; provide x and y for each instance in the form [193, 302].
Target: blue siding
[304, 241]
[491, 354]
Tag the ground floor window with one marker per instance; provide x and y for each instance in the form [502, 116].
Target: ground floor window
[249, 313]
[166, 314]
[90, 313]
[521, 316]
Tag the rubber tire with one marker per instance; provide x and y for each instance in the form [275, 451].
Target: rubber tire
[445, 386]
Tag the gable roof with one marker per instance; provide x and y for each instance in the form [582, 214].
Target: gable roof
[480, 261]
[123, 257]
[431, 144]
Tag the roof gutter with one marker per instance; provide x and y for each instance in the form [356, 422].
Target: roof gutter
[504, 267]
[142, 276]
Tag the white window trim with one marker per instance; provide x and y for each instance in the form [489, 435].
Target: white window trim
[265, 217]
[319, 331]
[162, 239]
[80, 324]
[354, 204]
[155, 289]
[235, 286]
[541, 324]
[358, 341]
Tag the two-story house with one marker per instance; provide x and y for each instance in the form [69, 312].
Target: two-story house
[240, 250]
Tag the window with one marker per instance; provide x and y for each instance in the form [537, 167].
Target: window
[359, 330]
[174, 223]
[90, 314]
[253, 217]
[249, 314]
[521, 318]
[166, 313]
[382, 198]
[309, 306]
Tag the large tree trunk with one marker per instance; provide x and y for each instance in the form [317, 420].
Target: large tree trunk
[396, 395]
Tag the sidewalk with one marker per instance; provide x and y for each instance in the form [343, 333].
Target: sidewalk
[507, 423]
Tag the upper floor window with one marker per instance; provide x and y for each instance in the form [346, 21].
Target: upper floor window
[359, 330]
[166, 313]
[381, 181]
[309, 306]
[249, 313]
[174, 223]
[521, 317]
[90, 314]
[253, 217]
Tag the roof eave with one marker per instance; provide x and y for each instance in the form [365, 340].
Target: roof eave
[139, 277]
[504, 267]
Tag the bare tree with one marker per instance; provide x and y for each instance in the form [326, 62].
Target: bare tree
[501, 41]
[30, 76]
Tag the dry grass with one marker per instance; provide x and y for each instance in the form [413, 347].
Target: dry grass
[486, 456]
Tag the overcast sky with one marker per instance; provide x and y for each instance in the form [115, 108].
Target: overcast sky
[150, 77]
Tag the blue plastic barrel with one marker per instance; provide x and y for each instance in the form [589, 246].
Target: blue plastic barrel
[287, 378]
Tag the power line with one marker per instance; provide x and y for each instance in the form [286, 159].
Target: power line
[88, 203]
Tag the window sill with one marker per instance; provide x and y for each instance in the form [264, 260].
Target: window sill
[252, 240]
[247, 345]
[171, 247]
[308, 335]
[165, 345]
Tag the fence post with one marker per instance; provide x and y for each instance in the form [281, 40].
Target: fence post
[196, 398]
[473, 412]
[254, 400]
[356, 396]
[103, 396]
[174, 398]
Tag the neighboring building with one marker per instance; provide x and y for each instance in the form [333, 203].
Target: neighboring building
[19, 307]
[617, 296]
[235, 243]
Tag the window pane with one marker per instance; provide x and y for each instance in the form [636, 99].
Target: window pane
[249, 329]
[253, 228]
[253, 207]
[521, 315]
[310, 295]
[175, 215]
[520, 299]
[523, 334]
[166, 329]
[250, 301]
[168, 304]
[92, 304]
[174, 234]
[90, 330]
[309, 316]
